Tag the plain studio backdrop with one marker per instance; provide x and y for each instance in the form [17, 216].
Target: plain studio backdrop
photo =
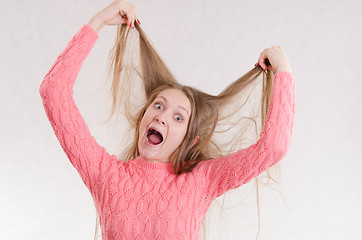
[207, 44]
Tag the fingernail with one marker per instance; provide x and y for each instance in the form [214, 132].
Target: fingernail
[130, 25]
[138, 21]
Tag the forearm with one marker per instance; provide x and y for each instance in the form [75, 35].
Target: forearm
[229, 172]
[64, 70]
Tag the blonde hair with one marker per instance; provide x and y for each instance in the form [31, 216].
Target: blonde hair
[224, 123]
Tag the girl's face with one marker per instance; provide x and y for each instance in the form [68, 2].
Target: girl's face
[164, 125]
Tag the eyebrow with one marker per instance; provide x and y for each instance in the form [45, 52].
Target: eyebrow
[178, 106]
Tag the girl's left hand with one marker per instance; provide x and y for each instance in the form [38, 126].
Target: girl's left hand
[277, 60]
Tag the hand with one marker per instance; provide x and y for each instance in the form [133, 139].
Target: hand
[112, 15]
[275, 59]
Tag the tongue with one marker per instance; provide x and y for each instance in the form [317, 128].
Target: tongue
[155, 138]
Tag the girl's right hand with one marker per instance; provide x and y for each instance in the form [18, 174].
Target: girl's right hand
[111, 15]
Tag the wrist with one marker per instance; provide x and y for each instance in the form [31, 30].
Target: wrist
[96, 23]
[284, 69]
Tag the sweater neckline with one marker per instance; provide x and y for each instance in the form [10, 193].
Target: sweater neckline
[157, 166]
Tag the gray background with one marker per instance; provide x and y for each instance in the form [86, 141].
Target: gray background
[207, 44]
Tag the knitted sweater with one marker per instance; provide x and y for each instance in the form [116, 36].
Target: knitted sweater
[146, 200]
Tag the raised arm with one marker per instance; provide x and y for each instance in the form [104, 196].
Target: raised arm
[223, 174]
[89, 158]
[56, 91]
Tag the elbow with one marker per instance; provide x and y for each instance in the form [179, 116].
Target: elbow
[42, 91]
[43, 88]
[282, 148]
[46, 90]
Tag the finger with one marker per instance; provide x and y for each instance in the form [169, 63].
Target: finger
[263, 66]
[137, 20]
[129, 18]
[123, 17]
[134, 19]
[261, 61]
[122, 14]
[133, 16]
[126, 15]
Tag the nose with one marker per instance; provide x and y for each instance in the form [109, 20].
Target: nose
[160, 120]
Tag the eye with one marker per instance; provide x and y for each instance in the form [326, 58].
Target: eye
[178, 117]
[159, 106]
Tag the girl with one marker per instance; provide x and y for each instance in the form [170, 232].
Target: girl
[174, 168]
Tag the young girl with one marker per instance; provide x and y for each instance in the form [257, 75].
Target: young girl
[172, 171]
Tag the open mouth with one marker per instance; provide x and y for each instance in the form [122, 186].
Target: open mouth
[154, 137]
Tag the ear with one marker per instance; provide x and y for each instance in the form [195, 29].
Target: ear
[195, 140]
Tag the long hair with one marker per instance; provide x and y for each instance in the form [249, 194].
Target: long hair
[224, 123]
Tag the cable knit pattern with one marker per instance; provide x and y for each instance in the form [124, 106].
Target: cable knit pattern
[143, 200]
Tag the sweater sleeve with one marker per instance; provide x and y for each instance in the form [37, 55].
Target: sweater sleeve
[56, 91]
[226, 173]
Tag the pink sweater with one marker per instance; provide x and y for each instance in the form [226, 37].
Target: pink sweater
[143, 200]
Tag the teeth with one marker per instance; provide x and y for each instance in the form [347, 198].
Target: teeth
[152, 130]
